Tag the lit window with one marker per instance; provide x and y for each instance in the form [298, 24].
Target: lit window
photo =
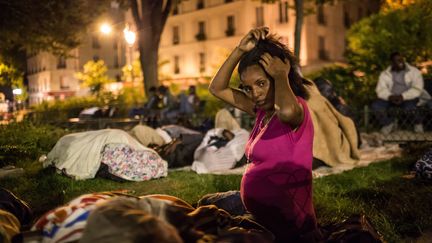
[283, 12]
[230, 31]
[322, 52]
[61, 62]
[320, 15]
[176, 65]
[201, 31]
[200, 4]
[259, 11]
[176, 36]
[202, 62]
[95, 42]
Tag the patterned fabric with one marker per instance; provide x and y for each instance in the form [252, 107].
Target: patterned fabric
[66, 223]
[133, 165]
[9, 226]
[163, 218]
[423, 166]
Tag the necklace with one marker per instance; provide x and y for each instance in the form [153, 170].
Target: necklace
[260, 126]
[259, 135]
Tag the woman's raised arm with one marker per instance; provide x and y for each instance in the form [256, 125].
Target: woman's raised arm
[219, 86]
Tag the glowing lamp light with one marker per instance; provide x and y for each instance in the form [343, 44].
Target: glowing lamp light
[17, 91]
[105, 28]
[129, 36]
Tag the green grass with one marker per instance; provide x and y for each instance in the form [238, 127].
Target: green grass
[397, 207]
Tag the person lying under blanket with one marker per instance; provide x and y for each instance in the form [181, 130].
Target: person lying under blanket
[175, 144]
[118, 217]
[80, 156]
[220, 150]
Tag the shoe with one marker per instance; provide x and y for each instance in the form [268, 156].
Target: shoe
[387, 129]
[418, 128]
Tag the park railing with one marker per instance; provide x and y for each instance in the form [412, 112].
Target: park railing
[365, 119]
[404, 124]
[368, 122]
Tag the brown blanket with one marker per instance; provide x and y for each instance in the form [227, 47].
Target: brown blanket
[335, 137]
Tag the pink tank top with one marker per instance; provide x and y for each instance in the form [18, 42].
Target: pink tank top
[277, 185]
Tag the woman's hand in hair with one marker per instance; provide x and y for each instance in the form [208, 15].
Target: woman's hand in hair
[275, 67]
[250, 40]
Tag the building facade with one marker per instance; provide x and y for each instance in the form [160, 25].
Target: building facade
[52, 77]
[198, 36]
[201, 33]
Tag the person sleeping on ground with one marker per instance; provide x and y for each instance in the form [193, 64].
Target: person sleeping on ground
[335, 135]
[221, 147]
[80, 156]
[118, 217]
[327, 90]
[175, 144]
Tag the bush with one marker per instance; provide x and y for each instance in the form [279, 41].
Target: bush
[212, 104]
[24, 141]
[371, 40]
[61, 111]
[356, 90]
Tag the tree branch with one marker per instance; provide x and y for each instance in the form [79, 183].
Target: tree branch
[135, 13]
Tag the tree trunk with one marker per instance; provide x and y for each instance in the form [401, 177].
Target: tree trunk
[298, 26]
[150, 20]
[148, 57]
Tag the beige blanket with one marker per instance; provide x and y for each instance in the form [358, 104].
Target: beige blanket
[335, 137]
[225, 120]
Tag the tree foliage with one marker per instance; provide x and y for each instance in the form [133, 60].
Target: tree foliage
[49, 25]
[11, 77]
[406, 30]
[396, 4]
[30, 26]
[94, 76]
[354, 87]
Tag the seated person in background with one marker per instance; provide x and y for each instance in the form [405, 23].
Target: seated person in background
[400, 85]
[153, 99]
[168, 105]
[189, 104]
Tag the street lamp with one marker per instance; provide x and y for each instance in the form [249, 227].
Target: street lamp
[17, 91]
[105, 28]
[130, 38]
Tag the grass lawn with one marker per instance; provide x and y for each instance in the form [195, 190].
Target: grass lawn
[397, 207]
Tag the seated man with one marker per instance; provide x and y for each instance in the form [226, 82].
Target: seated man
[189, 104]
[400, 85]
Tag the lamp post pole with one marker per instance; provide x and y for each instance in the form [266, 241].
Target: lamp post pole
[130, 38]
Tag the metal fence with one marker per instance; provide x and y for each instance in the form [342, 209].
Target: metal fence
[404, 120]
[365, 119]
[368, 122]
